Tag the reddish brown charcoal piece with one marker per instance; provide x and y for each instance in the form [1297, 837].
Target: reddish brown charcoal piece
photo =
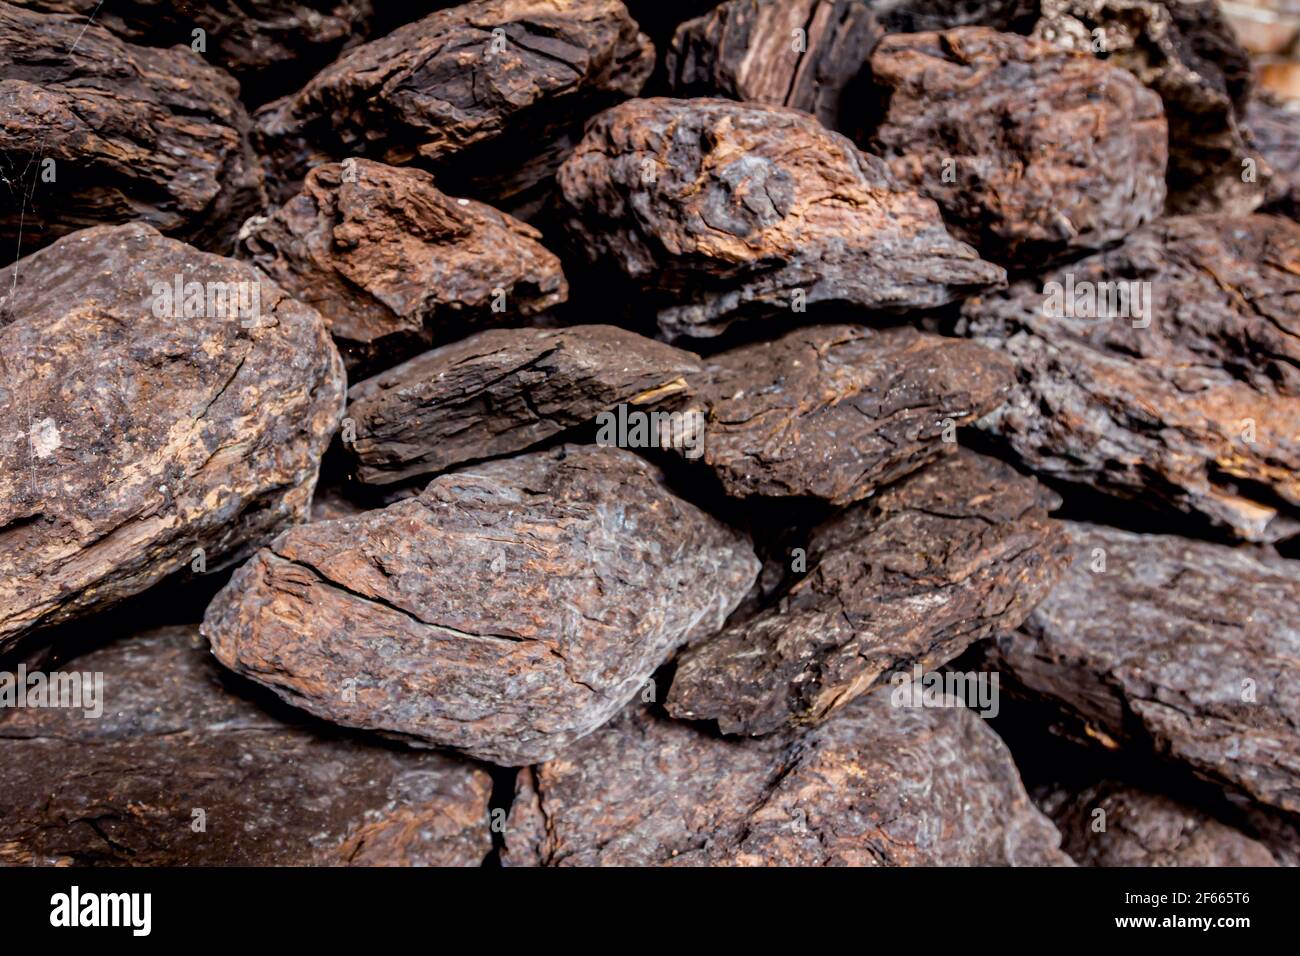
[394, 265]
[835, 411]
[1031, 151]
[1197, 657]
[506, 611]
[957, 552]
[491, 92]
[877, 786]
[184, 769]
[116, 133]
[1186, 52]
[262, 42]
[143, 437]
[718, 210]
[1137, 828]
[1185, 394]
[503, 390]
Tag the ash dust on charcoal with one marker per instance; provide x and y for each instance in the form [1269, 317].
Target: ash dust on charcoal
[534, 433]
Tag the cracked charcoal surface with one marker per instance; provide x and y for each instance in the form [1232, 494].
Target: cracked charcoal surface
[266, 44]
[146, 437]
[1032, 152]
[1145, 829]
[177, 736]
[493, 111]
[715, 211]
[394, 264]
[508, 610]
[833, 412]
[1197, 413]
[877, 786]
[503, 390]
[1188, 54]
[133, 133]
[957, 552]
[1192, 630]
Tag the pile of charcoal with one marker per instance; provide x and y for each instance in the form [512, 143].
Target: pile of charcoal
[562, 432]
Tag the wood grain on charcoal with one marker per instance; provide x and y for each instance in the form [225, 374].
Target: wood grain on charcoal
[717, 210]
[959, 551]
[394, 264]
[133, 133]
[133, 439]
[877, 786]
[1032, 152]
[176, 738]
[1194, 408]
[506, 611]
[1197, 658]
[503, 390]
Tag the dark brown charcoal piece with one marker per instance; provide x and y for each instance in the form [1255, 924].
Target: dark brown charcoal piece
[1139, 828]
[506, 611]
[798, 53]
[1196, 658]
[1187, 53]
[183, 769]
[957, 552]
[115, 133]
[717, 210]
[264, 43]
[1275, 130]
[394, 264]
[1192, 405]
[149, 439]
[491, 93]
[1031, 151]
[503, 390]
[835, 411]
[877, 786]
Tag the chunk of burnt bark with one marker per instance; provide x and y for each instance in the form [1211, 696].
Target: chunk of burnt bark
[109, 132]
[394, 265]
[1032, 152]
[1275, 129]
[148, 425]
[506, 611]
[503, 390]
[266, 44]
[957, 552]
[1187, 53]
[877, 786]
[1194, 659]
[1165, 370]
[1112, 824]
[490, 94]
[715, 211]
[835, 411]
[183, 768]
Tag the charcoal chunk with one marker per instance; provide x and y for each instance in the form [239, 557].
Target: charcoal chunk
[503, 390]
[394, 265]
[877, 786]
[1188, 53]
[1032, 152]
[1139, 828]
[111, 132]
[715, 211]
[142, 440]
[1196, 658]
[1185, 394]
[490, 94]
[1275, 129]
[184, 768]
[959, 551]
[833, 412]
[506, 611]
